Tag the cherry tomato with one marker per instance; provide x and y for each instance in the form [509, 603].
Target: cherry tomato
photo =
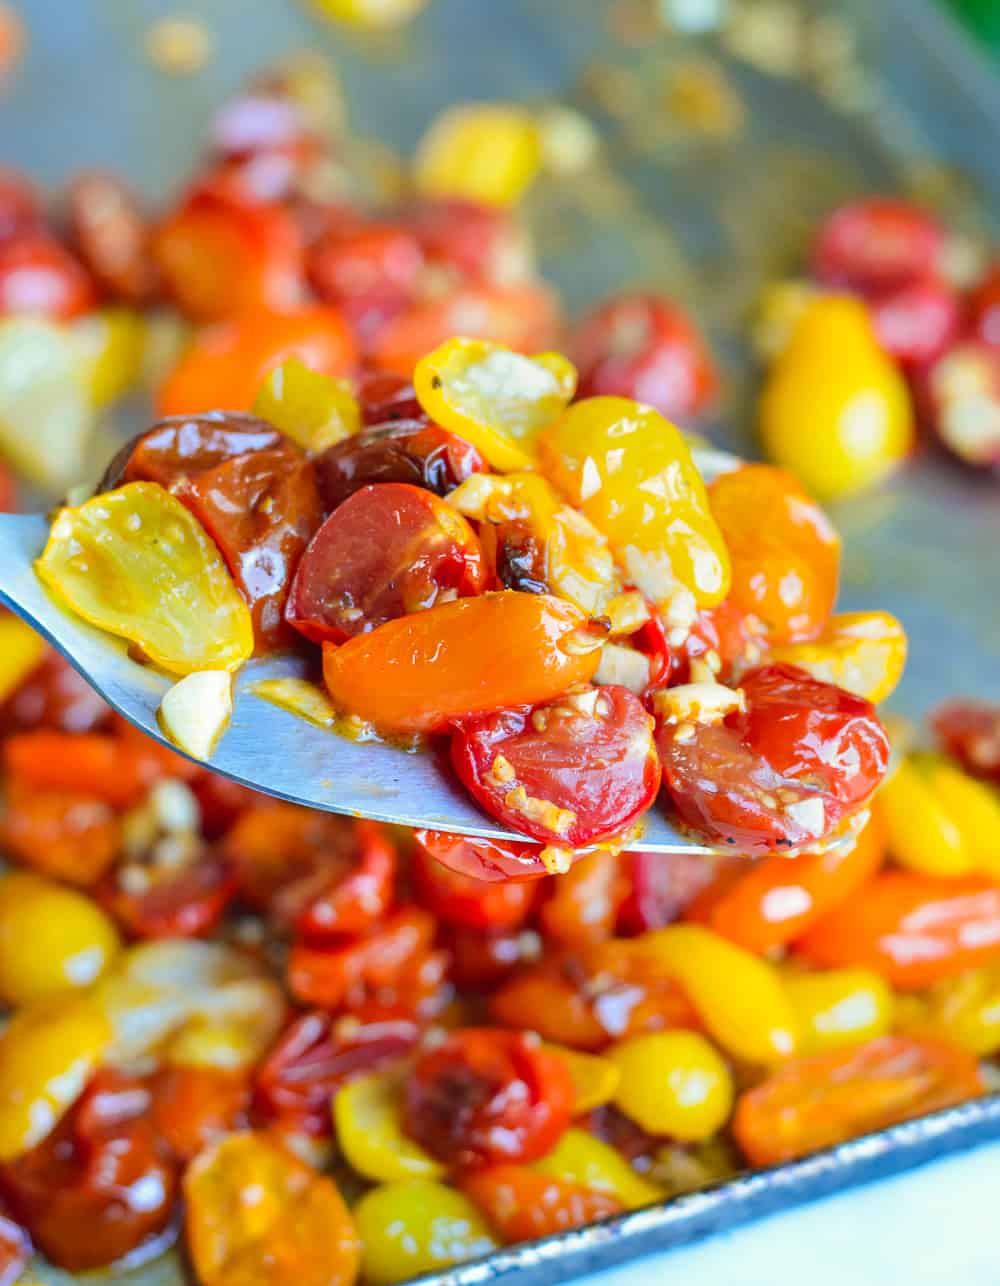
[226, 364]
[388, 550]
[877, 243]
[312, 1059]
[220, 802]
[111, 234]
[960, 396]
[816, 1102]
[483, 859]
[409, 451]
[20, 208]
[913, 929]
[917, 321]
[458, 660]
[662, 886]
[370, 274]
[117, 770]
[15, 1244]
[180, 448]
[783, 773]
[53, 696]
[570, 773]
[643, 347]
[481, 961]
[485, 1096]
[69, 835]
[352, 901]
[522, 1204]
[784, 571]
[480, 242]
[41, 277]
[970, 730]
[736, 638]
[464, 900]
[221, 257]
[265, 148]
[984, 303]
[184, 902]
[101, 1185]
[584, 902]
[193, 1107]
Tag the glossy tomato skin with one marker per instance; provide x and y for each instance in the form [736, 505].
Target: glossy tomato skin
[369, 273]
[970, 731]
[590, 760]
[388, 550]
[875, 244]
[180, 447]
[101, 1185]
[523, 1204]
[385, 398]
[485, 1096]
[40, 276]
[410, 451]
[468, 902]
[184, 903]
[483, 859]
[644, 347]
[195, 1106]
[112, 236]
[354, 900]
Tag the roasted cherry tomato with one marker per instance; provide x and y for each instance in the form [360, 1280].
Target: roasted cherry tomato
[118, 770]
[193, 1107]
[451, 157]
[385, 398]
[474, 240]
[661, 887]
[960, 393]
[464, 900]
[570, 773]
[184, 902]
[178, 449]
[816, 1102]
[101, 1185]
[69, 835]
[785, 570]
[644, 347]
[353, 899]
[912, 929]
[918, 321]
[369, 273]
[112, 236]
[970, 730]
[481, 961]
[783, 772]
[312, 1059]
[522, 1204]
[460, 659]
[220, 257]
[877, 243]
[388, 550]
[863, 652]
[583, 903]
[41, 277]
[485, 1096]
[54, 695]
[226, 364]
[483, 859]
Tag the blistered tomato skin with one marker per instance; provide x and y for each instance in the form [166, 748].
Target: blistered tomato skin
[877, 243]
[610, 456]
[388, 550]
[569, 773]
[179, 448]
[159, 582]
[461, 659]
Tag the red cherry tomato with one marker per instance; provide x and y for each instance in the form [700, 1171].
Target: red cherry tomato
[69, 835]
[984, 306]
[356, 899]
[464, 900]
[177, 449]
[917, 321]
[369, 273]
[877, 243]
[111, 234]
[569, 773]
[609, 1124]
[644, 347]
[20, 208]
[481, 961]
[477, 242]
[784, 773]
[53, 696]
[101, 1185]
[960, 396]
[385, 398]
[663, 885]
[522, 1204]
[220, 802]
[483, 859]
[388, 550]
[409, 451]
[41, 277]
[117, 769]
[194, 1107]
[182, 903]
[313, 1058]
[970, 730]
[485, 1096]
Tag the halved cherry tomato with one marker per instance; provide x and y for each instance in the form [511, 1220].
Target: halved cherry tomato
[465, 900]
[193, 1107]
[522, 1204]
[912, 929]
[385, 398]
[877, 243]
[181, 447]
[226, 364]
[460, 659]
[312, 1059]
[661, 887]
[185, 902]
[8, 492]
[644, 347]
[55, 696]
[970, 730]
[816, 1102]
[15, 1244]
[221, 257]
[475, 241]
[569, 773]
[770, 903]
[117, 770]
[40, 276]
[111, 234]
[481, 961]
[783, 773]
[20, 207]
[784, 570]
[483, 859]
[370, 273]
[69, 835]
[101, 1185]
[583, 903]
[388, 550]
[485, 1095]
[353, 901]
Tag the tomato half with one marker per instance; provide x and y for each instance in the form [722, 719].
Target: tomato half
[187, 902]
[483, 859]
[388, 550]
[464, 900]
[181, 447]
[111, 233]
[194, 1106]
[522, 1204]
[354, 899]
[876, 243]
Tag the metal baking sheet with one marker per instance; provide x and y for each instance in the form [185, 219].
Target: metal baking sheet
[708, 219]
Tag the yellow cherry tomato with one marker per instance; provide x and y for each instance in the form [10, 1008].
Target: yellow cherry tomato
[964, 1010]
[416, 1226]
[595, 1079]
[52, 939]
[739, 997]
[367, 1115]
[112, 343]
[488, 152]
[581, 1158]
[136, 563]
[48, 1052]
[314, 410]
[494, 398]
[839, 1007]
[21, 650]
[631, 474]
[835, 410]
[673, 1082]
[864, 652]
[974, 805]
[369, 14]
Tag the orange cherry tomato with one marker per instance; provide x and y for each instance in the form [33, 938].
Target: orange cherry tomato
[220, 257]
[522, 1204]
[117, 770]
[464, 900]
[769, 903]
[584, 902]
[460, 659]
[66, 834]
[816, 1102]
[912, 929]
[195, 1106]
[226, 364]
[784, 569]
